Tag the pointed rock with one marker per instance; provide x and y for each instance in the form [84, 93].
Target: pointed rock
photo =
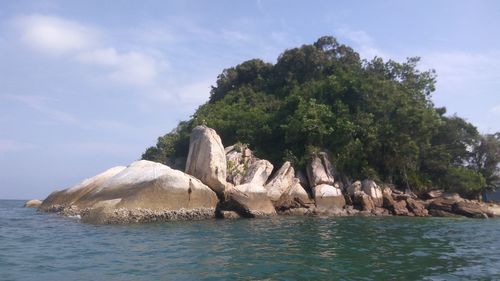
[320, 170]
[207, 158]
[372, 189]
[280, 182]
[258, 172]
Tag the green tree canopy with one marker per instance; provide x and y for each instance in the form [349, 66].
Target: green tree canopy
[375, 117]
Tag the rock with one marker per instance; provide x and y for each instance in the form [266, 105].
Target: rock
[433, 194]
[237, 163]
[34, 203]
[399, 208]
[441, 213]
[388, 200]
[442, 204]
[380, 212]
[304, 182]
[417, 207]
[456, 205]
[396, 207]
[243, 167]
[294, 196]
[328, 198]
[493, 210]
[207, 158]
[297, 212]
[280, 182]
[401, 196]
[354, 188]
[228, 215]
[320, 170]
[249, 200]
[144, 191]
[453, 196]
[178, 163]
[258, 172]
[372, 189]
[66, 198]
[365, 201]
[469, 209]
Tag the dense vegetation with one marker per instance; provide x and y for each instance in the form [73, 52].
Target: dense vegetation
[374, 117]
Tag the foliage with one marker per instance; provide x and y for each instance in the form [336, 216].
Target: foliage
[375, 117]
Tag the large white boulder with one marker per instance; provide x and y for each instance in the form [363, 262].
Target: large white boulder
[328, 198]
[116, 194]
[249, 200]
[207, 158]
[33, 203]
[69, 196]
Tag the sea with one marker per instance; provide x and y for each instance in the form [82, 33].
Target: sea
[41, 246]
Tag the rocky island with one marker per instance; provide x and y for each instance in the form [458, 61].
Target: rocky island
[231, 182]
[330, 134]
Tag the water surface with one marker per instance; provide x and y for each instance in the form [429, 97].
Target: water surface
[39, 246]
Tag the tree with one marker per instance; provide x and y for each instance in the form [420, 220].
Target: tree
[375, 118]
[486, 158]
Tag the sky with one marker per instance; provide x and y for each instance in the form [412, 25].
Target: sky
[88, 85]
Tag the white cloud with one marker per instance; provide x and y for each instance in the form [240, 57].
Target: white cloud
[235, 36]
[8, 145]
[363, 43]
[128, 68]
[459, 67]
[59, 36]
[40, 104]
[496, 109]
[53, 34]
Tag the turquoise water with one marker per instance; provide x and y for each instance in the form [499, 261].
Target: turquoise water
[38, 246]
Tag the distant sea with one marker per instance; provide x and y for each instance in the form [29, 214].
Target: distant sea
[39, 246]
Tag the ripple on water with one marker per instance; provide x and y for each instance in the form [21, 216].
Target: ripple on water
[44, 247]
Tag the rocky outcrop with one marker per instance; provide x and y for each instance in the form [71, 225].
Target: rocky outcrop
[243, 167]
[374, 191]
[354, 188]
[238, 158]
[453, 205]
[258, 172]
[433, 194]
[365, 201]
[417, 207]
[34, 203]
[233, 183]
[295, 196]
[68, 197]
[281, 181]
[207, 159]
[326, 193]
[148, 188]
[320, 170]
[248, 200]
[328, 198]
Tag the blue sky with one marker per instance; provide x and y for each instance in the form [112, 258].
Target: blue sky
[87, 85]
